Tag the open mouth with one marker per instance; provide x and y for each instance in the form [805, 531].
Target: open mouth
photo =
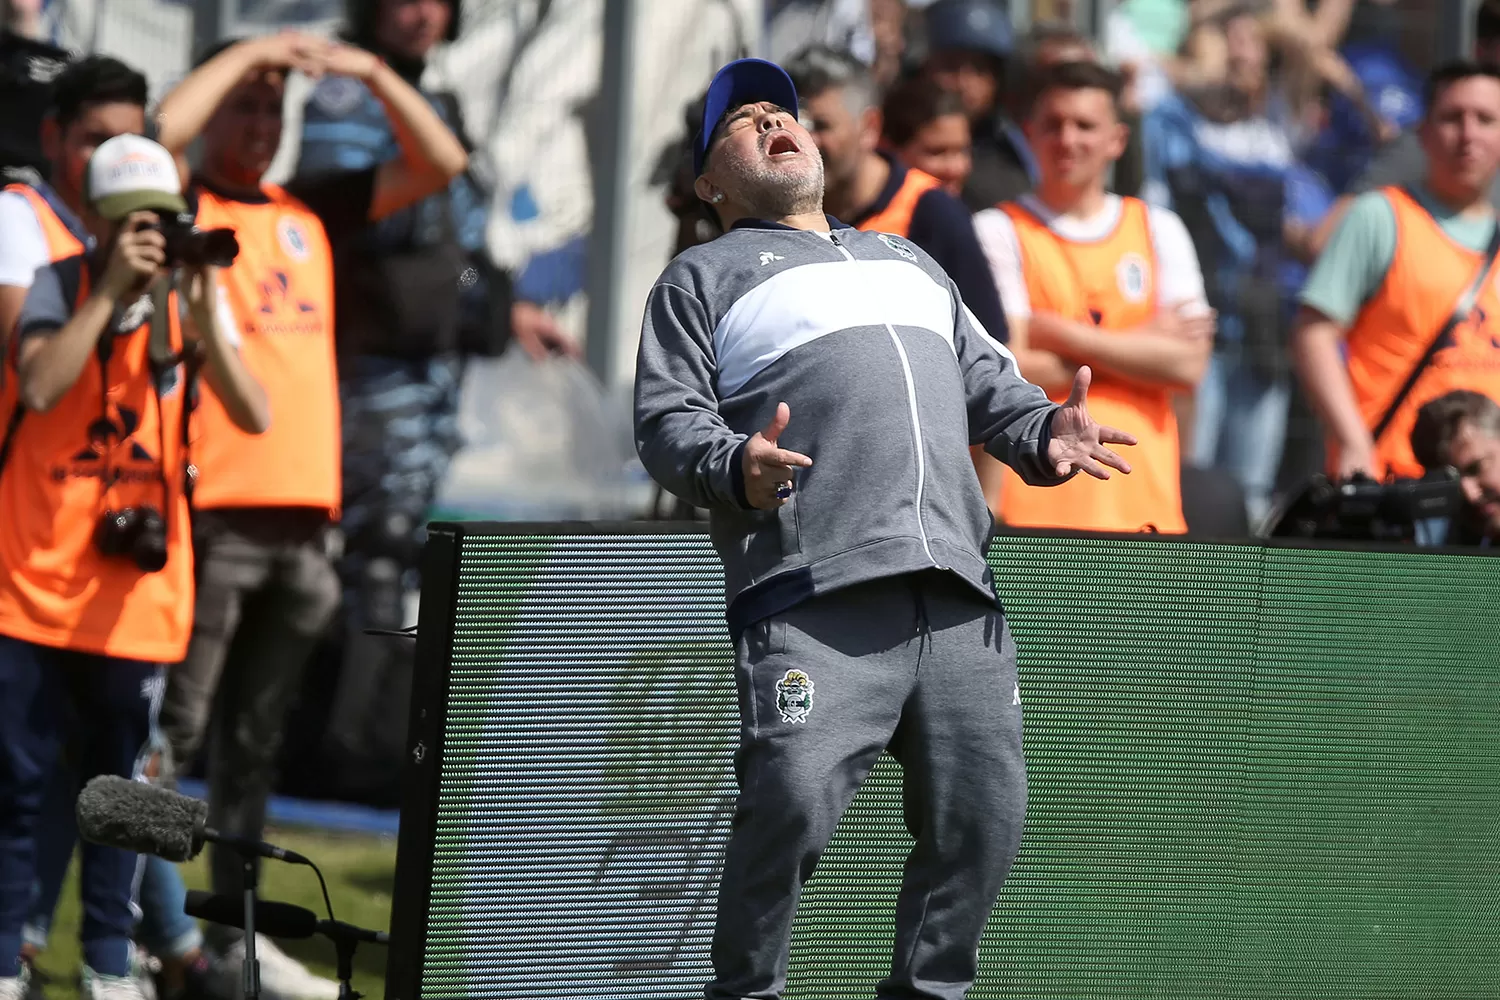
[782, 144]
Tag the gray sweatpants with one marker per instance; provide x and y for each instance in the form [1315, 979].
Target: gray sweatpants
[921, 665]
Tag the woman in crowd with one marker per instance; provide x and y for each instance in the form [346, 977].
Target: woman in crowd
[926, 127]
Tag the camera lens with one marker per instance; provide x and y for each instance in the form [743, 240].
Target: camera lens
[150, 542]
[136, 533]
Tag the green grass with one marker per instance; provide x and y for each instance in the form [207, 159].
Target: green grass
[360, 871]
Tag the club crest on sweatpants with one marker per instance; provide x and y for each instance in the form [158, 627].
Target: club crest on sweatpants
[794, 696]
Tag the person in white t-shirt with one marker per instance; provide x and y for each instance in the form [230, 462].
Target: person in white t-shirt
[1090, 278]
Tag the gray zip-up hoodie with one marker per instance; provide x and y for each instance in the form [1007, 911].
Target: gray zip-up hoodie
[889, 379]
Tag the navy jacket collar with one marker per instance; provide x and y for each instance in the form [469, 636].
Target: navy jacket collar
[768, 224]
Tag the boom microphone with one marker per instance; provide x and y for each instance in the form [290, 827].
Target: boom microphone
[282, 920]
[134, 816]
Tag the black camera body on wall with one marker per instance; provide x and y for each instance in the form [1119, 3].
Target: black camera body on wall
[1363, 509]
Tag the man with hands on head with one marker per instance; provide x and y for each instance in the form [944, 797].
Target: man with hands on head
[266, 506]
[816, 388]
[96, 562]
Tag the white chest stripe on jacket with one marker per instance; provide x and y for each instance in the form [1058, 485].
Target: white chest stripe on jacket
[911, 400]
[804, 303]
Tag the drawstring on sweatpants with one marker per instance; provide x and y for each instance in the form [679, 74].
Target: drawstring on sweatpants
[922, 624]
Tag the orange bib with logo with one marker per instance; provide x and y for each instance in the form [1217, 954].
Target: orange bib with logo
[280, 291]
[112, 442]
[1393, 329]
[1111, 284]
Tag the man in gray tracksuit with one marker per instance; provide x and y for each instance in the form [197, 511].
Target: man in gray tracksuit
[817, 388]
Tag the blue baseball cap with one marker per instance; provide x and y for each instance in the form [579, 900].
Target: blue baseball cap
[744, 81]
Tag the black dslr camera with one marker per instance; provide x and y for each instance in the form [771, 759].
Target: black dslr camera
[1362, 509]
[135, 533]
[189, 246]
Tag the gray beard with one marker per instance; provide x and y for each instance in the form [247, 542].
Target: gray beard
[771, 195]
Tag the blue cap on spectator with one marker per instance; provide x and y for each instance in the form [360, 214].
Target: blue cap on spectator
[969, 24]
[744, 81]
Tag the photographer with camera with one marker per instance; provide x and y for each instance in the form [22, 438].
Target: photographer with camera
[96, 564]
[1406, 288]
[1461, 430]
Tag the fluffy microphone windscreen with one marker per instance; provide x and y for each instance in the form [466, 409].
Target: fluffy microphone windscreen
[132, 815]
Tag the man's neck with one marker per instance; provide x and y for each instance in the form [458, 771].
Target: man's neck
[853, 200]
[1460, 200]
[234, 187]
[71, 196]
[1081, 203]
[814, 221]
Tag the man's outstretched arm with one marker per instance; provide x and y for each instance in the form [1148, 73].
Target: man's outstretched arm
[1008, 415]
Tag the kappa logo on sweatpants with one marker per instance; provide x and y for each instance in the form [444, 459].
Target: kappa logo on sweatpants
[794, 696]
[1015, 697]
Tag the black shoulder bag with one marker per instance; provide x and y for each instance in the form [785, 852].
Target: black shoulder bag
[1461, 311]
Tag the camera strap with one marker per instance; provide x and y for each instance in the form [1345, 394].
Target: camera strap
[162, 359]
[1461, 311]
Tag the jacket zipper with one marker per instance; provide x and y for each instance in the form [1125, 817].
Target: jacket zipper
[916, 422]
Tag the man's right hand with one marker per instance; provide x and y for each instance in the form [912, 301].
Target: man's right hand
[1358, 456]
[136, 260]
[769, 468]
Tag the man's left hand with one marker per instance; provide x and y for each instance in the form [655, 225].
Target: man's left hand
[538, 333]
[1078, 443]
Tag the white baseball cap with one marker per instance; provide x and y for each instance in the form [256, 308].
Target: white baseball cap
[130, 173]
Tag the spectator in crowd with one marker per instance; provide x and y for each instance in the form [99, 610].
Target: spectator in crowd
[1461, 429]
[873, 31]
[92, 100]
[406, 316]
[96, 590]
[925, 126]
[871, 189]
[1091, 278]
[1344, 145]
[264, 505]
[1403, 162]
[968, 45]
[1385, 288]
[1220, 157]
[28, 65]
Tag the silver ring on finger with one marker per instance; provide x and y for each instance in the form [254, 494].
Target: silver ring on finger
[783, 490]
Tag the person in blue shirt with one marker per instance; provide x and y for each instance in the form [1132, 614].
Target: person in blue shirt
[1220, 157]
[416, 293]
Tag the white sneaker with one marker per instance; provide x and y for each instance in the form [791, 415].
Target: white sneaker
[15, 987]
[282, 977]
[127, 987]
